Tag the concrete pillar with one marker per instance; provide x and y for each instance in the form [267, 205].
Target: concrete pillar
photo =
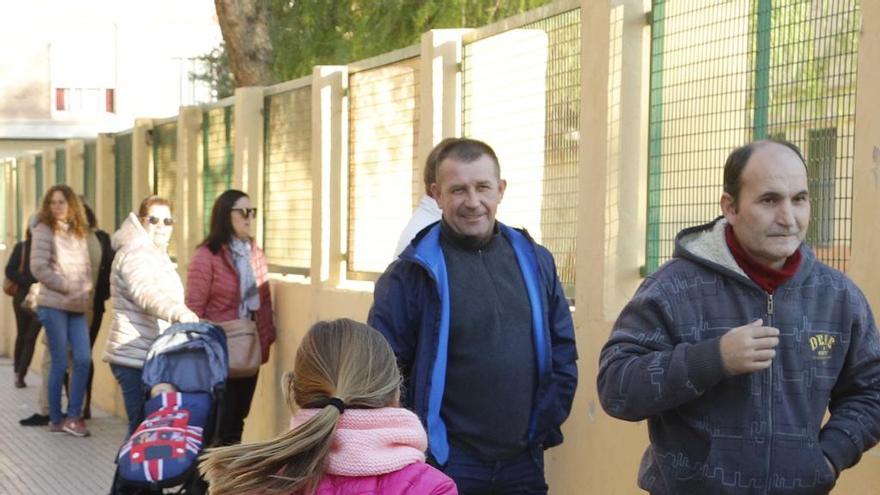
[187, 202]
[105, 182]
[864, 268]
[329, 175]
[7, 168]
[247, 172]
[28, 183]
[48, 171]
[613, 445]
[75, 149]
[440, 90]
[592, 168]
[627, 124]
[141, 161]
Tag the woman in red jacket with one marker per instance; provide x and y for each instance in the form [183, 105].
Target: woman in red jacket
[228, 280]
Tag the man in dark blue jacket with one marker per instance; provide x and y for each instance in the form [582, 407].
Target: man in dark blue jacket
[736, 348]
[477, 317]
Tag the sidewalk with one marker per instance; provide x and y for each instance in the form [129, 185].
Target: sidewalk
[35, 462]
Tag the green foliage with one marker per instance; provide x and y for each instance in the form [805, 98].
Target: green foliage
[306, 33]
[215, 71]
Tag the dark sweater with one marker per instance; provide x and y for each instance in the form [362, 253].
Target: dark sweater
[490, 377]
[22, 277]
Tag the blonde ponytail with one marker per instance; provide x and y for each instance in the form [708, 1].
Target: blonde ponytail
[341, 363]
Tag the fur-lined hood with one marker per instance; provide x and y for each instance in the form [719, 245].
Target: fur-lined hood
[706, 244]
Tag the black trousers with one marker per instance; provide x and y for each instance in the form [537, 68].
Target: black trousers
[28, 327]
[93, 336]
[235, 408]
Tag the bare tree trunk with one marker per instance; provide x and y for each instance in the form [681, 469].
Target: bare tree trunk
[245, 28]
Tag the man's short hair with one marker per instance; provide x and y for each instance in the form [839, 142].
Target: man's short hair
[738, 159]
[464, 150]
[430, 172]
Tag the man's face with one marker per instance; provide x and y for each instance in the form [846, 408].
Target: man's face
[771, 216]
[468, 194]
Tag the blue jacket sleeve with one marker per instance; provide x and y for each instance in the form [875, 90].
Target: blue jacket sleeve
[854, 424]
[563, 348]
[395, 315]
[644, 370]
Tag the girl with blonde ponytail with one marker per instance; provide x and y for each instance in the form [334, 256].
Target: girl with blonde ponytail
[349, 434]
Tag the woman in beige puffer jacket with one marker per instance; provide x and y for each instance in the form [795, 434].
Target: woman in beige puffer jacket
[60, 263]
[147, 296]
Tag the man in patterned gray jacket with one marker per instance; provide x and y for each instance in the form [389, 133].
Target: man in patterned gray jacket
[735, 349]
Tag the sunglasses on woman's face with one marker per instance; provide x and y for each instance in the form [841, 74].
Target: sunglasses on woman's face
[246, 212]
[155, 220]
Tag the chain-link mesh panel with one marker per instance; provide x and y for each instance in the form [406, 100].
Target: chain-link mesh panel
[217, 142]
[165, 167]
[39, 187]
[90, 172]
[122, 163]
[383, 126]
[522, 92]
[287, 190]
[60, 166]
[724, 73]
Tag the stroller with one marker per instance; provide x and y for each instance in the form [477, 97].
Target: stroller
[177, 424]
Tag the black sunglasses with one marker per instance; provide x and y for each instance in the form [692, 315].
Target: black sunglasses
[246, 212]
[154, 220]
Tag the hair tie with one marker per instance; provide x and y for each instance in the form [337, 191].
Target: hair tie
[337, 403]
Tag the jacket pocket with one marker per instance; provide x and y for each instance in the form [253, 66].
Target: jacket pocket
[801, 470]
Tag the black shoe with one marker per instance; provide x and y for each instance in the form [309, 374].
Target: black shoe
[35, 419]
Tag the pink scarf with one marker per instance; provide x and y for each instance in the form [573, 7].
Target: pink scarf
[369, 442]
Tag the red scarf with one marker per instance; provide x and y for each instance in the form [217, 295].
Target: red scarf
[768, 278]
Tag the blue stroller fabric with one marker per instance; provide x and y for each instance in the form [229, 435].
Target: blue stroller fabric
[163, 450]
[166, 444]
[190, 356]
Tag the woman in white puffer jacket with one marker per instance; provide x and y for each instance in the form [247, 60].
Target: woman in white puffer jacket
[147, 296]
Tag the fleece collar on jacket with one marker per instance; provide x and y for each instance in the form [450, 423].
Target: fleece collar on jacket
[370, 442]
[132, 233]
[705, 244]
[426, 251]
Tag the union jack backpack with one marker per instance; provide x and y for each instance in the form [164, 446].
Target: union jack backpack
[163, 451]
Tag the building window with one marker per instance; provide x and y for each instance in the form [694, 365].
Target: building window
[85, 100]
[61, 98]
[109, 100]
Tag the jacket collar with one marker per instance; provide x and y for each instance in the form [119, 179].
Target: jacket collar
[705, 245]
[132, 233]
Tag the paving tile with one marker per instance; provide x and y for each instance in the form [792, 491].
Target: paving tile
[35, 462]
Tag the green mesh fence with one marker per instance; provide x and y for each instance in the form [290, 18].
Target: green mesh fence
[217, 142]
[724, 73]
[383, 132]
[90, 172]
[60, 166]
[38, 181]
[165, 167]
[521, 94]
[122, 162]
[287, 189]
